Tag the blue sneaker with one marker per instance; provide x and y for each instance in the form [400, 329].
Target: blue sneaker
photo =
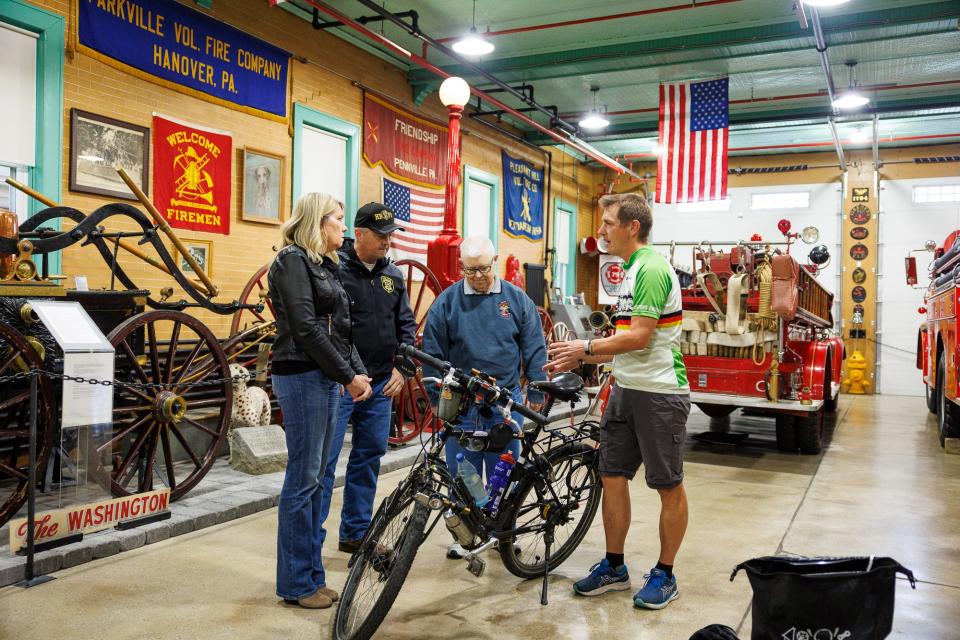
[603, 578]
[657, 591]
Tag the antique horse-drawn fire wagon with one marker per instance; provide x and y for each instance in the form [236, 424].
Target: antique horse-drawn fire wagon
[173, 393]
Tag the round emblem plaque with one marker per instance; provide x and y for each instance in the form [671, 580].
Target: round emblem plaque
[858, 293]
[859, 251]
[859, 233]
[860, 214]
[859, 276]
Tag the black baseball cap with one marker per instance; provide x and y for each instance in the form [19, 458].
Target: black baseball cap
[376, 217]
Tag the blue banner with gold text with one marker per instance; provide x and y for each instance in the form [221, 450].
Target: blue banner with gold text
[188, 51]
[522, 199]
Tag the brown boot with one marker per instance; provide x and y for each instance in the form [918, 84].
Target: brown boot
[330, 593]
[316, 600]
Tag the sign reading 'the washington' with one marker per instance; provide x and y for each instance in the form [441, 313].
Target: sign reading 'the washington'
[188, 51]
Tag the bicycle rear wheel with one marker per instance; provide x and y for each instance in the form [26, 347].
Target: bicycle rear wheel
[380, 567]
[576, 482]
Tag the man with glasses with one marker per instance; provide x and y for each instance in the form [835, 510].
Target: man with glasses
[486, 323]
[382, 320]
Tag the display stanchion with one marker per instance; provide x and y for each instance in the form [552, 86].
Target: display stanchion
[29, 579]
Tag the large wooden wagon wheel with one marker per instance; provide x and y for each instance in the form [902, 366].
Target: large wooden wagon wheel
[546, 324]
[18, 355]
[255, 291]
[412, 412]
[169, 436]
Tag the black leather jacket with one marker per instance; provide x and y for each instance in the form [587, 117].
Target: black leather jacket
[313, 315]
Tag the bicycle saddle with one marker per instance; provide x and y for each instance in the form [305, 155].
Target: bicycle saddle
[565, 386]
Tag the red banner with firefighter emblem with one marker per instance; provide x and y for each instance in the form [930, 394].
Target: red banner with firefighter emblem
[192, 175]
[405, 145]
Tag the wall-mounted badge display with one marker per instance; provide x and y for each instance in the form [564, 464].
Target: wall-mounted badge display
[859, 251]
[860, 214]
[859, 233]
[859, 275]
[858, 308]
[858, 293]
[861, 194]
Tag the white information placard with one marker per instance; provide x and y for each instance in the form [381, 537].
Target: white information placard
[86, 354]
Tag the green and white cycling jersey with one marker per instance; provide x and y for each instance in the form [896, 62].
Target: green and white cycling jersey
[651, 289]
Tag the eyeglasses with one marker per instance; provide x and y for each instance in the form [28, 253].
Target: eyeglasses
[472, 271]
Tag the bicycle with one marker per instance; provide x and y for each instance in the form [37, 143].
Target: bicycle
[554, 490]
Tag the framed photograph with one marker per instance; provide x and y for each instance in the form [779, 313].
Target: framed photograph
[202, 252]
[99, 146]
[262, 187]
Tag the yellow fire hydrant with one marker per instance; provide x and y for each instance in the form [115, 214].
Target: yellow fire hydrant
[856, 380]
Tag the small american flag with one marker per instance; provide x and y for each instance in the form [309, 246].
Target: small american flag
[419, 212]
[693, 133]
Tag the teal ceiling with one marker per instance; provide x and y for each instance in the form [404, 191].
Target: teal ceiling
[907, 54]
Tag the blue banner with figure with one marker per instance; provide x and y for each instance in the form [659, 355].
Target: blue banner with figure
[522, 199]
[188, 51]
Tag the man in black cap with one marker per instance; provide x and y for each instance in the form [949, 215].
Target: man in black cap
[382, 320]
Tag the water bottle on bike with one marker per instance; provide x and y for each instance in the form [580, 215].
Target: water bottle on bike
[468, 473]
[499, 481]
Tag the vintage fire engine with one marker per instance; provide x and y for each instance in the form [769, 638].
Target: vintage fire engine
[937, 347]
[758, 335]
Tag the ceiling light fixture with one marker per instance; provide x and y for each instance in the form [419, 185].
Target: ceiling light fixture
[824, 3]
[473, 44]
[594, 119]
[851, 98]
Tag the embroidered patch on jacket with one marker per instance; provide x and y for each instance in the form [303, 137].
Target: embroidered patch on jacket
[387, 283]
[504, 309]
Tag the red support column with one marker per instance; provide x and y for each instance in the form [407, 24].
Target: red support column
[443, 253]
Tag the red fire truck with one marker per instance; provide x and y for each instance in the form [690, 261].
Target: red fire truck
[758, 335]
[937, 347]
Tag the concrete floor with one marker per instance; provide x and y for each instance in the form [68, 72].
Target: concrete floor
[882, 487]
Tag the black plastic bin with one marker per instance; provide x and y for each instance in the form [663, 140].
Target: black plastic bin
[822, 598]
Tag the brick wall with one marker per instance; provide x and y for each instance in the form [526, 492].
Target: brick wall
[327, 75]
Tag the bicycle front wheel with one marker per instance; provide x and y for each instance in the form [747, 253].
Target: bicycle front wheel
[380, 567]
[576, 483]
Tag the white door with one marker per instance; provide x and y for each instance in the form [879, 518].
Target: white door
[477, 217]
[324, 163]
[911, 212]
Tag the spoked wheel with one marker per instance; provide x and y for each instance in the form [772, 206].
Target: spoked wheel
[576, 482]
[16, 356]
[412, 412]
[546, 324]
[254, 292]
[169, 436]
[380, 567]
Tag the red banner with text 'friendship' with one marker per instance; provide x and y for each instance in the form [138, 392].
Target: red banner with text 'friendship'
[192, 175]
[406, 146]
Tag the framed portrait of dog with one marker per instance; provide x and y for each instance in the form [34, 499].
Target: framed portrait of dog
[263, 179]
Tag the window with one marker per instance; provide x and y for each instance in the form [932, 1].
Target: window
[704, 206]
[565, 243]
[936, 193]
[481, 198]
[326, 157]
[10, 198]
[782, 200]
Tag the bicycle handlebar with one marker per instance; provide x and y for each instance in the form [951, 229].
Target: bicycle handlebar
[473, 383]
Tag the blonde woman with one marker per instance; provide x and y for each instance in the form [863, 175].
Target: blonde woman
[313, 359]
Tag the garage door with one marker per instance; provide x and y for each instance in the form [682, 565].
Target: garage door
[911, 212]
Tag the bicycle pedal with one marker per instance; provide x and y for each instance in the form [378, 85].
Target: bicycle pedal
[476, 566]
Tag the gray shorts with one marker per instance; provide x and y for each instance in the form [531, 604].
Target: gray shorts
[640, 427]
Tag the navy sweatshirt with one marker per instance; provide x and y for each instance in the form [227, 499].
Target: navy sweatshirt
[497, 333]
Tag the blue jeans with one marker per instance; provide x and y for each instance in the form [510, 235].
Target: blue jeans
[371, 427]
[309, 402]
[479, 459]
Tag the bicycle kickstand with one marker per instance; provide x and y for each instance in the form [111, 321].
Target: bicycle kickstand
[547, 541]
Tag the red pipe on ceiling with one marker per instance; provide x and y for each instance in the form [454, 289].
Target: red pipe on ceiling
[796, 96]
[615, 16]
[767, 147]
[423, 62]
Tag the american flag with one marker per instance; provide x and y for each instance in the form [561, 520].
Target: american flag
[419, 212]
[693, 134]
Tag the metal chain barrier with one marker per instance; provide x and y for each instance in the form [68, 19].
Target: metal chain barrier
[26, 375]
